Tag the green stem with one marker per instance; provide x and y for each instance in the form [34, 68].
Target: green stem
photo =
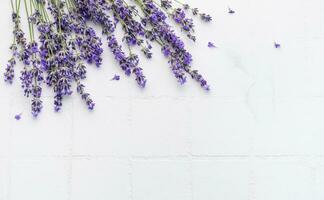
[134, 10]
[16, 4]
[29, 25]
[40, 10]
[69, 5]
[12, 6]
[18, 7]
[179, 2]
[59, 16]
[45, 13]
[32, 25]
[13, 10]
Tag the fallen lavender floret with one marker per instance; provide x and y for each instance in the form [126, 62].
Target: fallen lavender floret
[277, 45]
[230, 11]
[116, 78]
[211, 45]
[18, 116]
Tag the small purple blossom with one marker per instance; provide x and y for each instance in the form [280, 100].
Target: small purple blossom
[277, 45]
[116, 78]
[18, 116]
[206, 17]
[211, 45]
[230, 11]
[166, 49]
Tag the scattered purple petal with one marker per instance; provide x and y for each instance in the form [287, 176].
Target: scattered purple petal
[18, 117]
[230, 11]
[211, 45]
[116, 78]
[277, 45]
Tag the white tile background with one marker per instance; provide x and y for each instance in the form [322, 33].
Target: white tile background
[258, 135]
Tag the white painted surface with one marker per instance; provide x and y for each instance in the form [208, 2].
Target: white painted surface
[258, 135]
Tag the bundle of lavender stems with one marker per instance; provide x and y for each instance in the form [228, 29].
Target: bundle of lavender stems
[60, 42]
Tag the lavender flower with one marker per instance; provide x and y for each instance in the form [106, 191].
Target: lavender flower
[116, 78]
[179, 16]
[18, 117]
[67, 42]
[211, 45]
[206, 17]
[172, 46]
[90, 47]
[166, 4]
[230, 11]
[9, 74]
[133, 61]
[36, 107]
[277, 45]
[133, 29]
[37, 77]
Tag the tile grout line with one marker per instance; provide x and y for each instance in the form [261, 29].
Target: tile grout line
[70, 156]
[185, 157]
[252, 180]
[168, 157]
[130, 179]
[129, 159]
[191, 184]
[190, 153]
[252, 183]
[9, 159]
[312, 164]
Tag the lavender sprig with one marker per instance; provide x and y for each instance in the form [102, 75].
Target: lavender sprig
[66, 43]
[172, 46]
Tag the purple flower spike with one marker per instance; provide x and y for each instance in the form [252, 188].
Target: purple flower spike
[116, 78]
[9, 74]
[36, 107]
[211, 45]
[88, 101]
[187, 25]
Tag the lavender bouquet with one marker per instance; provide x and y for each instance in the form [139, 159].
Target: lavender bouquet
[60, 42]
